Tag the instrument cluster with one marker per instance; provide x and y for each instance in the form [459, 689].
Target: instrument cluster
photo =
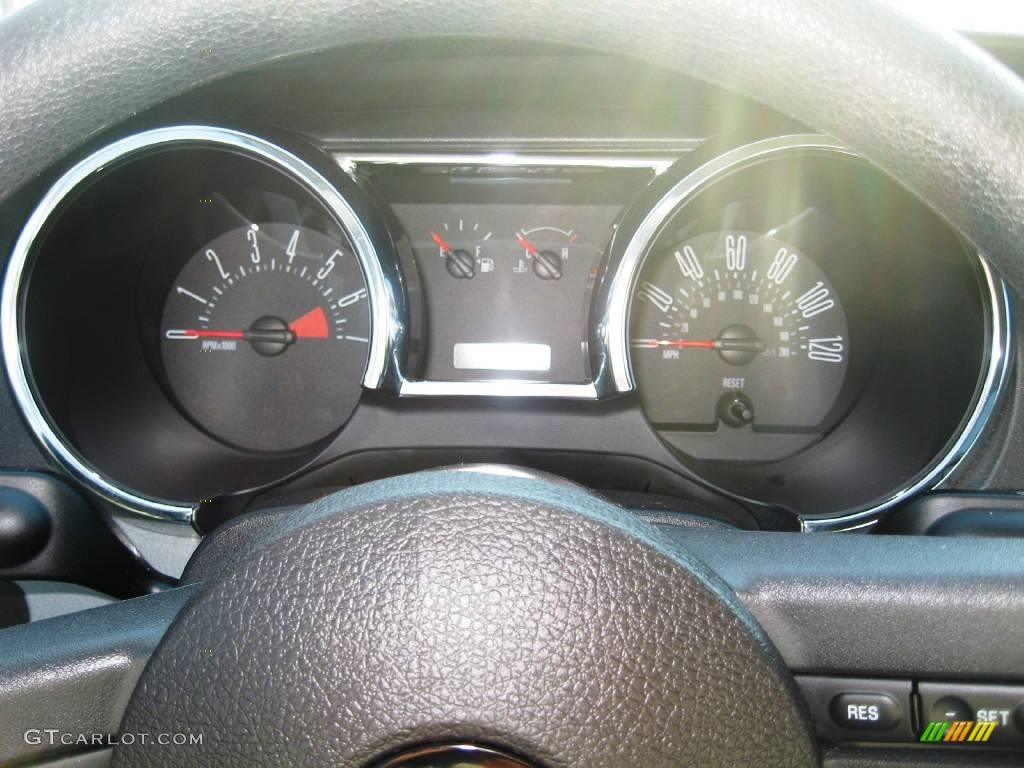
[194, 313]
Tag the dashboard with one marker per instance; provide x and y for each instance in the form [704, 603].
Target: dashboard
[772, 325]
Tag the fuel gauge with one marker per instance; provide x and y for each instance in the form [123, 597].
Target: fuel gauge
[462, 249]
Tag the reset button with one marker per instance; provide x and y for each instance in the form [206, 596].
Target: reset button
[865, 711]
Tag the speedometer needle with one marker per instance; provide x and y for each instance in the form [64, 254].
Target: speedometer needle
[738, 345]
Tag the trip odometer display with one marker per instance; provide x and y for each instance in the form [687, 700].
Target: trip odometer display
[736, 329]
[265, 336]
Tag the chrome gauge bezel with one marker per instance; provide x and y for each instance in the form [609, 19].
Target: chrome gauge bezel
[386, 324]
[613, 322]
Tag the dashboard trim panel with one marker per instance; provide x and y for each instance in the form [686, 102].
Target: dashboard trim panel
[386, 325]
[384, 370]
[594, 390]
[999, 354]
[350, 161]
[510, 388]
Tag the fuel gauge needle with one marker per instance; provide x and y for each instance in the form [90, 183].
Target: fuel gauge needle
[441, 243]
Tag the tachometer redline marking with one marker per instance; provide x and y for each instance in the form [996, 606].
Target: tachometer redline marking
[312, 325]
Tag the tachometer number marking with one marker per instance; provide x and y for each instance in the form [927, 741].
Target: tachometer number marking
[197, 297]
[254, 250]
[349, 299]
[211, 255]
[328, 266]
[293, 244]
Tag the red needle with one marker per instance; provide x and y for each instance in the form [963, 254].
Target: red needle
[677, 343]
[312, 325]
[441, 243]
[527, 245]
[203, 334]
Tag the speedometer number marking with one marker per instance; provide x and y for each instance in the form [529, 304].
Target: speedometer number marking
[655, 296]
[689, 264]
[828, 350]
[815, 301]
[782, 265]
[736, 252]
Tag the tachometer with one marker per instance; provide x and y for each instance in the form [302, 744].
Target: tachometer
[737, 329]
[265, 336]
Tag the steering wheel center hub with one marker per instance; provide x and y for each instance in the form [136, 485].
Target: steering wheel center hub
[454, 756]
[454, 607]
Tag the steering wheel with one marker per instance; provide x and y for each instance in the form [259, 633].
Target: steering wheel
[405, 620]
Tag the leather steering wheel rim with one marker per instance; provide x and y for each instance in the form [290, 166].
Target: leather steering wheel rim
[926, 106]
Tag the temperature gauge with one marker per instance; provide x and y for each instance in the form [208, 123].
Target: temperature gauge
[546, 251]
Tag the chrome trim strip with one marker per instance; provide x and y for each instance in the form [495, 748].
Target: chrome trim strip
[386, 325]
[509, 388]
[997, 369]
[349, 161]
[613, 327]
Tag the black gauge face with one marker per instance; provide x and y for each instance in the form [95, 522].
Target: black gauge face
[737, 330]
[265, 336]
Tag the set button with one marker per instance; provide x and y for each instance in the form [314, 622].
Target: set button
[956, 703]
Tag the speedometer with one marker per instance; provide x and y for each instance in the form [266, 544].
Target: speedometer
[737, 330]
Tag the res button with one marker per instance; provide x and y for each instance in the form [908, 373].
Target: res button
[865, 711]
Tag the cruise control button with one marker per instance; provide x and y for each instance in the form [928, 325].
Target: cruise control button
[865, 711]
[951, 709]
[859, 709]
[988, 713]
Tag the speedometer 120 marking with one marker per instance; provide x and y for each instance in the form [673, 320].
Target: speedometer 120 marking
[266, 335]
[738, 329]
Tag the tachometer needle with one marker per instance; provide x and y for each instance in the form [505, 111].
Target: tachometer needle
[312, 325]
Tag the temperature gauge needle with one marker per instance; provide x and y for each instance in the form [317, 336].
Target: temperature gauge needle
[530, 248]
